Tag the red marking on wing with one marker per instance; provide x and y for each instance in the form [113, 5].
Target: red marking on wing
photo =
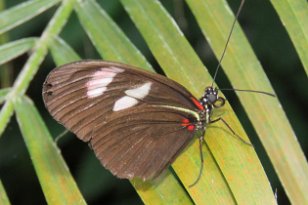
[186, 123]
[197, 103]
[190, 127]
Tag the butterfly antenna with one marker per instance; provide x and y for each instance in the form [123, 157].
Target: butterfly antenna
[251, 91]
[228, 40]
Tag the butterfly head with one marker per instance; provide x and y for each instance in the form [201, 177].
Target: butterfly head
[211, 98]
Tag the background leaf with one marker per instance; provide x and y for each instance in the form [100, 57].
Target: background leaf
[13, 49]
[57, 183]
[3, 93]
[176, 57]
[293, 15]
[32, 65]
[3, 197]
[114, 45]
[244, 71]
[23, 12]
[62, 53]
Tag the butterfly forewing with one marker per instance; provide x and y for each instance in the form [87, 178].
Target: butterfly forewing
[132, 118]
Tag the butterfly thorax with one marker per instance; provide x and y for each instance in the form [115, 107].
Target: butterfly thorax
[204, 119]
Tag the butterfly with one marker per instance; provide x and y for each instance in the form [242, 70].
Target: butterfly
[136, 122]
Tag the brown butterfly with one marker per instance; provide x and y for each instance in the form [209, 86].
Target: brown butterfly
[137, 122]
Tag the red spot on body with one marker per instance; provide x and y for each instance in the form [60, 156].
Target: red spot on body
[197, 103]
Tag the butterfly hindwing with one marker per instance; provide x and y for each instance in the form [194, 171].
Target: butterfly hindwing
[146, 140]
[120, 111]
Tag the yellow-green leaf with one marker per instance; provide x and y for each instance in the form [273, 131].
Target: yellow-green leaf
[21, 13]
[234, 165]
[4, 200]
[112, 44]
[62, 53]
[294, 16]
[56, 181]
[266, 113]
[14, 49]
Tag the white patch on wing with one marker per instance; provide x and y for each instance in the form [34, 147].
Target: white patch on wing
[96, 92]
[124, 102]
[97, 85]
[139, 92]
[132, 95]
[100, 81]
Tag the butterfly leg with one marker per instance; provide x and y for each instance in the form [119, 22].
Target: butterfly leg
[230, 128]
[201, 140]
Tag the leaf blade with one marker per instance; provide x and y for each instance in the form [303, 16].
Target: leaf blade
[30, 68]
[173, 52]
[294, 15]
[114, 45]
[16, 48]
[3, 94]
[57, 183]
[62, 53]
[23, 12]
[244, 71]
[3, 196]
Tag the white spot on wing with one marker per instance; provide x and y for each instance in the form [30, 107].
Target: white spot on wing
[124, 102]
[97, 85]
[96, 81]
[139, 92]
[132, 95]
[96, 92]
